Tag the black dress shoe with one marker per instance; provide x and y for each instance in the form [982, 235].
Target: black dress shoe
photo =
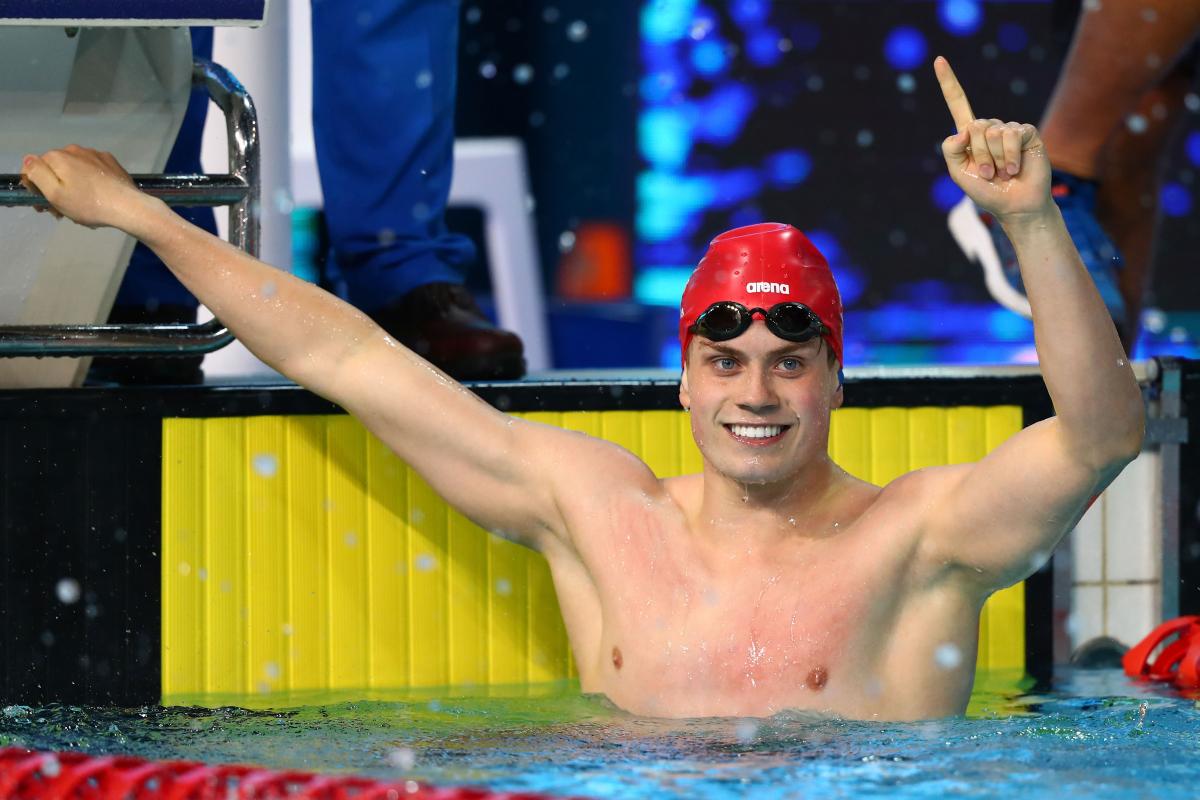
[441, 323]
[148, 370]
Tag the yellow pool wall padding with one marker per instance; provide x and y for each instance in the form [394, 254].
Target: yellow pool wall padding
[299, 554]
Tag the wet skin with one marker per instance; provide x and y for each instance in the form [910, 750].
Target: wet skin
[771, 581]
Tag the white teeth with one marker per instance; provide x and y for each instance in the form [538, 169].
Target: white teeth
[756, 431]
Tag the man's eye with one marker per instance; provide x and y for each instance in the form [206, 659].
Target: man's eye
[791, 364]
[724, 363]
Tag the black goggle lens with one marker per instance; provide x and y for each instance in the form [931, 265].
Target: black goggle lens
[794, 322]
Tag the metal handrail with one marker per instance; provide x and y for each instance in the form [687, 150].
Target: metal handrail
[240, 189]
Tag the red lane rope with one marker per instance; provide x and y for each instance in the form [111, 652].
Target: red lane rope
[1171, 652]
[32, 775]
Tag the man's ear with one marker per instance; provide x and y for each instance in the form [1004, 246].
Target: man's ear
[839, 396]
[685, 397]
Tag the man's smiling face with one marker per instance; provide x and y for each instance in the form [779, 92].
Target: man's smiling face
[759, 404]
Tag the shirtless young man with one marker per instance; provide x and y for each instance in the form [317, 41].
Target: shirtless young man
[772, 580]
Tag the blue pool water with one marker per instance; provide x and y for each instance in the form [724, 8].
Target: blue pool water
[1095, 735]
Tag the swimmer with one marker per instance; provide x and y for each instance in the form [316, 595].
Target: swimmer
[773, 579]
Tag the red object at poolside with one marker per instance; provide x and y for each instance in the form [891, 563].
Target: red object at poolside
[1178, 660]
[32, 775]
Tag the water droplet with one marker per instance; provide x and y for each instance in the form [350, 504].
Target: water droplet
[947, 656]
[265, 465]
[269, 289]
[271, 670]
[1018, 86]
[566, 241]
[351, 539]
[746, 730]
[424, 79]
[283, 201]
[420, 212]
[577, 31]
[503, 587]
[1149, 14]
[286, 629]
[185, 568]
[1136, 123]
[67, 590]
[561, 71]
[51, 767]
[487, 69]
[1191, 101]
[402, 758]
[865, 138]
[906, 83]
[815, 83]
[1091, 5]
[550, 15]
[473, 15]
[523, 73]
[425, 562]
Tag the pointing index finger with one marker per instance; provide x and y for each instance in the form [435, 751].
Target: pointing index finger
[956, 98]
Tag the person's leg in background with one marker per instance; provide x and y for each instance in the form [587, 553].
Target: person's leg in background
[384, 74]
[149, 293]
[1127, 59]
[1131, 170]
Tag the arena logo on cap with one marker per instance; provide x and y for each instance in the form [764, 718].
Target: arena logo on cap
[767, 286]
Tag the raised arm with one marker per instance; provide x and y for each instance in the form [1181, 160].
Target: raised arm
[501, 472]
[1002, 516]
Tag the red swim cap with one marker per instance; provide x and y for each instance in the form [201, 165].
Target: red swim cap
[759, 266]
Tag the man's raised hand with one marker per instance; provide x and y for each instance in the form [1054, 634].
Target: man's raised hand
[84, 185]
[1002, 166]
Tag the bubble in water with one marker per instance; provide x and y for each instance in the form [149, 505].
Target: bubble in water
[906, 83]
[865, 138]
[1136, 123]
[402, 758]
[947, 656]
[487, 69]
[51, 767]
[566, 241]
[424, 79]
[746, 730]
[426, 562]
[265, 465]
[503, 587]
[271, 670]
[351, 539]
[577, 31]
[67, 590]
[523, 73]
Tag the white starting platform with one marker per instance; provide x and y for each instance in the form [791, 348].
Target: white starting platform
[110, 74]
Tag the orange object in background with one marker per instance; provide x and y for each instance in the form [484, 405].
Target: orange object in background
[598, 266]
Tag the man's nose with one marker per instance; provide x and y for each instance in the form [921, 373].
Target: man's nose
[757, 390]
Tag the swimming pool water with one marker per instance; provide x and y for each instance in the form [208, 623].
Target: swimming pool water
[1095, 734]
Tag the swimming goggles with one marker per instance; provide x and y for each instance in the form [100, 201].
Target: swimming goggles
[726, 319]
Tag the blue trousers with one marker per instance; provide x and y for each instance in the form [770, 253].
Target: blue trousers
[384, 74]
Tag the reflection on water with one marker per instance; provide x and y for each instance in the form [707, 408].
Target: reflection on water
[1095, 735]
